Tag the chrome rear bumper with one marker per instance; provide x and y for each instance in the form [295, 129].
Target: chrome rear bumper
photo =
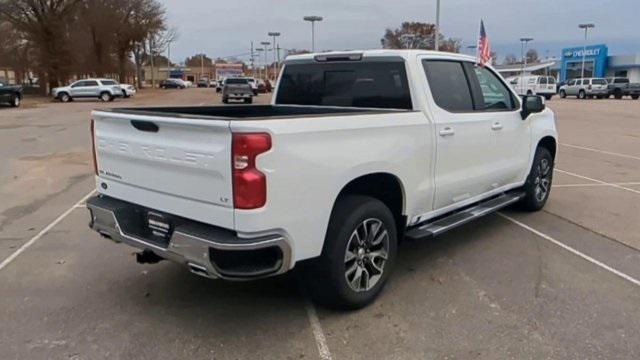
[207, 250]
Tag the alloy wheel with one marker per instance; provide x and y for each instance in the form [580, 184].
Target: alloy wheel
[543, 180]
[366, 255]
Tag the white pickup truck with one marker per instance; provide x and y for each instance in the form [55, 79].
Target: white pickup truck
[356, 151]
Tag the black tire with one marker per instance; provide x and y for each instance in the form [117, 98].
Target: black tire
[248, 101]
[225, 100]
[15, 101]
[617, 93]
[105, 96]
[124, 94]
[325, 278]
[582, 95]
[548, 97]
[534, 187]
[64, 97]
[635, 97]
[563, 94]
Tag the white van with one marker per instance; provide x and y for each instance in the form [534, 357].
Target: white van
[534, 85]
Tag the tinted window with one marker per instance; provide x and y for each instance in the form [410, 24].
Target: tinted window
[448, 84]
[495, 95]
[237, 81]
[543, 80]
[621, 81]
[552, 80]
[599, 82]
[90, 83]
[78, 84]
[572, 82]
[109, 82]
[351, 84]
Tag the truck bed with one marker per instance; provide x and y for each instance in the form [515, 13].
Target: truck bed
[248, 112]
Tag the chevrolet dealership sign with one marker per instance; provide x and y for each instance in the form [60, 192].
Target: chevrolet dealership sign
[582, 52]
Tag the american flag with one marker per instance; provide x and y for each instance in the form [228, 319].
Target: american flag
[484, 49]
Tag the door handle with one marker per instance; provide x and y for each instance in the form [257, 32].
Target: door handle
[496, 126]
[447, 131]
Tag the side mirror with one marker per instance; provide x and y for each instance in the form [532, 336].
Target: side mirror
[531, 104]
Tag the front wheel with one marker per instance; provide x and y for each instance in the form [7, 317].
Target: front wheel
[563, 94]
[15, 101]
[538, 185]
[358, 255]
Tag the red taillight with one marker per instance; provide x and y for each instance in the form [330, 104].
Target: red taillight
[249, 184]
[93, 147]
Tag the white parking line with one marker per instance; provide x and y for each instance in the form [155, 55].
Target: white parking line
[574, 251]
[601, 151]
[318, 333]
[598, 181]
[31, 241]
[596, 184]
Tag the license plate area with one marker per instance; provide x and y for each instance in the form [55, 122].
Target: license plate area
[159, 225]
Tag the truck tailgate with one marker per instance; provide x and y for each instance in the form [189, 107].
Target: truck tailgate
[175, 165]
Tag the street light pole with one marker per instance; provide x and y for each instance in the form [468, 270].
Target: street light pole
[258, 57]
[266, 67]
[524, 42]
[437, 29]
[586, 28]
[313, 20]
[275, 34]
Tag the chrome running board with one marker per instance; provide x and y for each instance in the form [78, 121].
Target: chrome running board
[459, 217]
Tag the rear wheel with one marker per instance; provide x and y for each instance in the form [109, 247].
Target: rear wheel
[248, 101]
[225, 100]
[105, 96]
[358, 255]
[617, 94]
[538, 185]
[635, 97]
[582, 94]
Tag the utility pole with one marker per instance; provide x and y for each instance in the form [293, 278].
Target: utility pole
[153, 72]
[258, 57]
[313, 20]
[586, 28]
[201, 66]
[266, 67]
[437, 29]
[524, 41]
[275, 56]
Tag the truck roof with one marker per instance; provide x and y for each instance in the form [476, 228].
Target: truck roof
[406, 54]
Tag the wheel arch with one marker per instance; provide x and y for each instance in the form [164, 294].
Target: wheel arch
[383, 186]
[549, 142]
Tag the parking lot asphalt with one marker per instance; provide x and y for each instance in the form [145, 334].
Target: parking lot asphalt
[561, 283]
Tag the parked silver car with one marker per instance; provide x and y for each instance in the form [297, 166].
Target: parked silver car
[237, 89]
[103, 89]
[585, 88]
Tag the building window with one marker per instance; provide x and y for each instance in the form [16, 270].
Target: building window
[621, 73]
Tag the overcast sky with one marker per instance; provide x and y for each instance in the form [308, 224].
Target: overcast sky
[224, 28]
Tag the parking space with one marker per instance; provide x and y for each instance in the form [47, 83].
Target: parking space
[560, 283]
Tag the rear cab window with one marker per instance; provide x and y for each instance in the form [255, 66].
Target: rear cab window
[366, 83]
[109, 82]
[236, 81]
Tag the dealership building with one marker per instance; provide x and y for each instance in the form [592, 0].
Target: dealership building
[597, 63]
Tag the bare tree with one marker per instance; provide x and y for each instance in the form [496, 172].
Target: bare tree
[44, 23]
[532, 56]
[417, 35]
[510, 59]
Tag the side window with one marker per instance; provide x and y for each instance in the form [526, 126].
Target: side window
[91, 83]
[78, 84]
[494, 93]
[448, 84]
[543, 80]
